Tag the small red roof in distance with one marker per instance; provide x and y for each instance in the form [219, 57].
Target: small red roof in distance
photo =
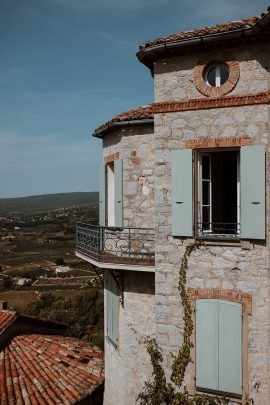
[41, 370]
[140, 113]
[6, 317]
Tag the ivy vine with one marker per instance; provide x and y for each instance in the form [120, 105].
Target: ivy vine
[159, 391]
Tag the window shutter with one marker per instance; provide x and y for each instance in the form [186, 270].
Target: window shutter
[102, 195]
[109, 304]
[230, 347]
[207, 344]
[252, 172]
[182, 199]
[112, 308]
[118, 183]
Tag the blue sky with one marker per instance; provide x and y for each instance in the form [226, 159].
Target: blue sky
[69, 65]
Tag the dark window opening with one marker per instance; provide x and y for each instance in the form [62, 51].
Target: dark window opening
[219, 193]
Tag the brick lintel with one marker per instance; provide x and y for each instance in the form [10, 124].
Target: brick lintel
[228, 295]
[111, 158]
[230, 141]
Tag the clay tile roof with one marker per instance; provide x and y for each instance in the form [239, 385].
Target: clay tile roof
[200, 32]
[140, 113]
[40, 370]
[6, 318]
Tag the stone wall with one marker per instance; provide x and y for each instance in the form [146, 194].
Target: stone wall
[135, 145]
[228, 266]
[174, 77]
[127, 367]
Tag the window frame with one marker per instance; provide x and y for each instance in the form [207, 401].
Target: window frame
[197, 192]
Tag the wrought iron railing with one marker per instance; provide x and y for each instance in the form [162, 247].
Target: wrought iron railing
[116, 245]
[218, 230]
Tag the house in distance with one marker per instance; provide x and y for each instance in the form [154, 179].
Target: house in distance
[194, 165]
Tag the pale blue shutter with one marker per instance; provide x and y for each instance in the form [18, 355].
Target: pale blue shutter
[109, 326]
[230, 347]
[112, 308]
[118, 194]
[182, 199]
[207, 344]
[102, 195]
[252, 183]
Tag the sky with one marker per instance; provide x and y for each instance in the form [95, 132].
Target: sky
[67, 66]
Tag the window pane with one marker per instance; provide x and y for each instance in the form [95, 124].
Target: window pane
[205, 167]
[206, 217]
[224, 73]
[206, 192]
[211, 76]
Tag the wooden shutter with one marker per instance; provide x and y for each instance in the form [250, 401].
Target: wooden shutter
[252, 183]
[182, 199]
[230, 347]
[112, 308]
[102, 195]
[118, 194]
[207, 344]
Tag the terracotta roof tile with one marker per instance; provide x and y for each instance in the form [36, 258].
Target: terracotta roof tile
[37, 369]
[140, 113]
[6, 318]
[199, 32]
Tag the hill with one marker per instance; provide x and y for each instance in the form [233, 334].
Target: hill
[46, 202]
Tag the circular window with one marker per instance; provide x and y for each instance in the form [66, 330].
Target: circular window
[216, 74]
[214, 77]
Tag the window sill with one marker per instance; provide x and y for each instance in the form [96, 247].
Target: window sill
[217, 242]
[235, 397]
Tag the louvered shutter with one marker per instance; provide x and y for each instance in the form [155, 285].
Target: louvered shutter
[230, 347]
[182, 198]
[252, 184]
[102, 195]
[118, 194]
[207, 344]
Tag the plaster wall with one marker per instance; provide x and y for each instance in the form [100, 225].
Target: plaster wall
[127, 366]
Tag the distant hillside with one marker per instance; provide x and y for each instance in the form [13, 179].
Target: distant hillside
[46, 202]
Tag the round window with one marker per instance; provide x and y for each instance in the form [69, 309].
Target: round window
[216, 74]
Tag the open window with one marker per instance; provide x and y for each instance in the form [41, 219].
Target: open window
[219, 193]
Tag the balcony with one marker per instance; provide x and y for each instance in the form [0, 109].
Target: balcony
[116, 248]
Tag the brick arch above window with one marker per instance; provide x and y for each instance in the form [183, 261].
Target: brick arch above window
[228, 295]
[203, 87]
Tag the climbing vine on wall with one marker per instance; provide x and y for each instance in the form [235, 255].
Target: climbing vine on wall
[159, 391]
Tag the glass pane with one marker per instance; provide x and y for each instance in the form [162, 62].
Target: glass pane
[206, 217]
[211, 76]
[206, 192]
[224, 73]
[206, 167]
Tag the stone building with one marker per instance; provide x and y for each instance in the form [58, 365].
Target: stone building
[192, 165]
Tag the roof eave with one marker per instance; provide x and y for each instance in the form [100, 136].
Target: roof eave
[113, 125]
[148, 55]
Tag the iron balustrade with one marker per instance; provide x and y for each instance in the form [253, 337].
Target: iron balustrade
[134, 246]
[218, 230]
